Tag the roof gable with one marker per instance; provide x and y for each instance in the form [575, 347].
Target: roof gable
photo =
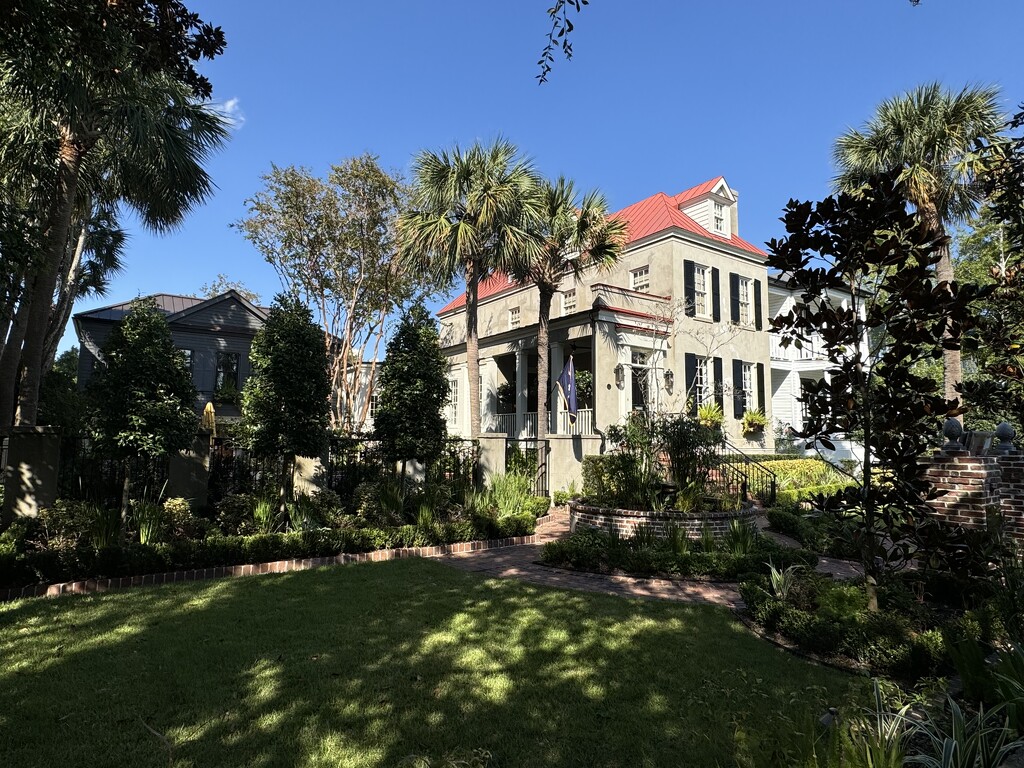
[231, 294]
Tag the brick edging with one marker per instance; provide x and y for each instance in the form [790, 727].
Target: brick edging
[89, 586]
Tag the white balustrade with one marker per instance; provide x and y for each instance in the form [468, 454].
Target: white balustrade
[584, 422]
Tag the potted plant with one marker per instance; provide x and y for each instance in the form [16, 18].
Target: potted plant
[753, 423]
[710, 415]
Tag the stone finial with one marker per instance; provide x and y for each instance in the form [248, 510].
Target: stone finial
[1005, 433]
[952, 430]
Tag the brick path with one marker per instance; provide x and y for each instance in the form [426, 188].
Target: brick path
[522, 563]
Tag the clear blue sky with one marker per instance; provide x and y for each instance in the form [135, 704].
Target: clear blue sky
[660, 95]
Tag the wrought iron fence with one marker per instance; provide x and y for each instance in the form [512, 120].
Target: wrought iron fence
[351, 461]
[233, 470]
[87, 474]
[529, 457]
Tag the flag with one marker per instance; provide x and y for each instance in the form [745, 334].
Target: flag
[567, 386]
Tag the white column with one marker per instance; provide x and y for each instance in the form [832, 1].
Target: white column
[555, 364]
[488, 393]
[521, 391]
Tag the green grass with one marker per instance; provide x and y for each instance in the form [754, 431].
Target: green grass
[364, 665]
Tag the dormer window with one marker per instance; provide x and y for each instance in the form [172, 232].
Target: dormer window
[720, 218]
[640, 279]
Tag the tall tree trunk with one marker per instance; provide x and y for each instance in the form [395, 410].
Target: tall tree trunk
[10, 305]
[543, 385]
[472, 348]
[65, 301]
[10, 360]
[952, 371]
[71, 153]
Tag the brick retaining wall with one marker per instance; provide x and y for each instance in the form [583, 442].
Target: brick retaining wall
[971, 484]
[626, 521]
[278, 566]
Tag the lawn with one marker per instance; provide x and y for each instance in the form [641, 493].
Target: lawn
[364, 665]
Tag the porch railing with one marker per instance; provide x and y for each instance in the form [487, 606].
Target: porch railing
[809, 350]
[584, 422]
[525, 425]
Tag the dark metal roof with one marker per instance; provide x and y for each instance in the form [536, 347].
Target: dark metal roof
[168, 303]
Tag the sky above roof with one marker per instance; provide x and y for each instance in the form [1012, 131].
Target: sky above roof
[660, 95]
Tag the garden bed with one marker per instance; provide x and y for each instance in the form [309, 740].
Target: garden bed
[626, 521]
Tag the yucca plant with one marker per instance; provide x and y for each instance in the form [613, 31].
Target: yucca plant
[708, 542]
[644, 537]
[678, 539]
[981, 741]
[425, 516]
[264, 514]
[878, 738]
[149, 519]
[391, 493]
[302, 514]
[1009, 674]
[106, 526]
[782, 581]
[740, 538]
[478, 503]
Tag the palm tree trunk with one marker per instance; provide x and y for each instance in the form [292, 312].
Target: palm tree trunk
[71, 153]
[472, 348]
[952, 370]
[10, 304]
[10, 360]
[543, 385]
[65, 301]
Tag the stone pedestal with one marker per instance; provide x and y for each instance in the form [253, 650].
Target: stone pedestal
[30, 472]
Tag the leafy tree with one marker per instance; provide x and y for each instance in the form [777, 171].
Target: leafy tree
[223, 284]
[61, 404]
[863, 263]
[285, 398]
[994, 380]
[410, 421]
[142, 397]
[332, 242]
[576, 236]
[929, 136]
[470, 215]
[108, 95]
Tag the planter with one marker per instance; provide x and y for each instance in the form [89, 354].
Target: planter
[626, 521]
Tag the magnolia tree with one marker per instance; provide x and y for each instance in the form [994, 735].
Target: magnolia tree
[865, 269]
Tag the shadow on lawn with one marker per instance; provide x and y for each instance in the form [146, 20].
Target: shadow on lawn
[366, 664]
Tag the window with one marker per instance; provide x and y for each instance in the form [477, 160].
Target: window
[719, 218]
[373, 407]
[747, 387]
[702, 382]
[453, 400]
[640, 279]
[640, 381]
[746, 312]
[227, 372]
[513, 317]
[568, 301]
[701, 302]
[188, 359]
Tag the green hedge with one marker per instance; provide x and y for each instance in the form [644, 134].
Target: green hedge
[796, 495]
[593, 550]
[19, 569]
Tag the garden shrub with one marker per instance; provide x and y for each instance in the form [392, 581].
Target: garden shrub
[234, 514]
[804, 473]
[511, 492]
[607, 477]
[796, 495]
[585, 550]
[538, 505]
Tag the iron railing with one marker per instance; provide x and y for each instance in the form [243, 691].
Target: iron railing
[87, 474]
[529, 457]
[736, 472]
[233, 469]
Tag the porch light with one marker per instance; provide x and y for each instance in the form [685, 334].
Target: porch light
[670, 379]
[620, 375]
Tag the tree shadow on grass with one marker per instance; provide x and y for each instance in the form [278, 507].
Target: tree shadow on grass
[364, 665]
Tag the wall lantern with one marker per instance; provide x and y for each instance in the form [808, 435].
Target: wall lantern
[620, 375]
[670, 379]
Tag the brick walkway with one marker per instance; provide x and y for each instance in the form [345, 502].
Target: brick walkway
[522, 563]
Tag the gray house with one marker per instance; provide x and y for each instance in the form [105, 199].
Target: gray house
[214, 333]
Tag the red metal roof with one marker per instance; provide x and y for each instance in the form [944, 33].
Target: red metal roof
[647, 217]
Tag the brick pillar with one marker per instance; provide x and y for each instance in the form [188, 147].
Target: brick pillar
[188, 472]
[1011, 489]
[971, 483]
[30, 473]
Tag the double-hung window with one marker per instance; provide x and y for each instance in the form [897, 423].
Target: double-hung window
[719, 218]
[453, 401]
[702, 382]
[746, 310]
[747, 385]
[640, 279]
[513, 318]
[568, 301]
[701, 293]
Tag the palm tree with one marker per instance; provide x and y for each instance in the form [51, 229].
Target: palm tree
[143, 140]
[576, 236]
[470, 215]
[930, 136]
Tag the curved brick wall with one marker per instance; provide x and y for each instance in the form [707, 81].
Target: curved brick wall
[625, 521]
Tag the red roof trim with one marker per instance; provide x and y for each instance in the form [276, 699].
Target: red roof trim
[635, 313]
[632, 292]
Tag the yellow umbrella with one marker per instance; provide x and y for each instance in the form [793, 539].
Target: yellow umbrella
[210, 419]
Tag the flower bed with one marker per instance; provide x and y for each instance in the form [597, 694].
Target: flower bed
[626, 521]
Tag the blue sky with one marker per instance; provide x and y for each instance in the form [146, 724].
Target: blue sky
[660, 95]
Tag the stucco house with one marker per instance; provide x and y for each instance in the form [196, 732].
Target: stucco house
[679, 322]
